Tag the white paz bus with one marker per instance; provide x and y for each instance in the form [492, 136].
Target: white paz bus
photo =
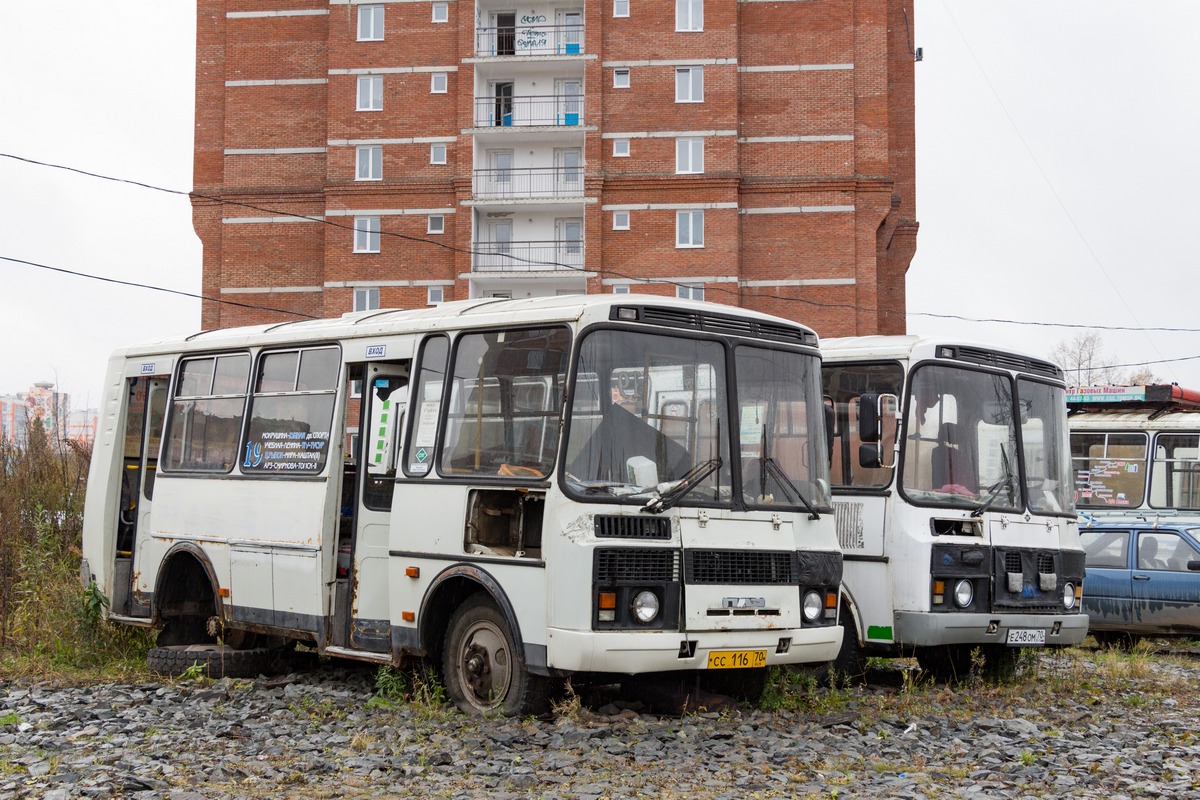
[952, 484]
[517, 490]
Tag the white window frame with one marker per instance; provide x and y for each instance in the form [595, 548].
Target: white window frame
[689, 291]
[689, 15]
[366, 234]
[369, 93]
[620, 221]
[436, 223]
[620, 288]
[689, 155]
[621, 79]
[620, 8]
[435, 295]
[439, 82]
[689, 84]
[366, 298]
[370, 23]
[441, 12]
[689, 228]
[437, 153]
[620, 148]
[368, 159]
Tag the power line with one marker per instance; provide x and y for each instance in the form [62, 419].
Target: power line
[550, 264]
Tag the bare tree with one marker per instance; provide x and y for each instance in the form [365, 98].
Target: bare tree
[1087, 364]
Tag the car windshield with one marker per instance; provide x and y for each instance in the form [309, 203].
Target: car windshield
[960, 446]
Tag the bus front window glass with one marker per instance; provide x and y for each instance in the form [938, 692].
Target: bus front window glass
[505, 403]
[1109, 469]
[289, 422]
[960, 446]
[1045, 446]
[1175, 478]
[781, 426]
[206, 415]
[427, 405]
[649, 410]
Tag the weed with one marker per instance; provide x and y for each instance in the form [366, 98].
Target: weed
[10, 718]
[196, 673]
[569, 706]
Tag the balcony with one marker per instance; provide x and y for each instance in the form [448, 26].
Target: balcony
[533, 182]
[552, 256]
[565, 110]
[532, 37]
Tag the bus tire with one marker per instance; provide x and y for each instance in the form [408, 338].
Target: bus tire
[215, 660]
[850, 664]
[484, 669]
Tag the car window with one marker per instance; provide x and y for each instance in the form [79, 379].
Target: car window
[1105, 548]
[1164, 550]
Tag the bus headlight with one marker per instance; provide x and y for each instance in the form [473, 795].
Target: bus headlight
[813, 606]
[645, 607]
[1068, 595]
[964, 593]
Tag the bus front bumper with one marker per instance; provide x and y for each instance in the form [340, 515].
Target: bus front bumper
[921, 629]
[633, 652]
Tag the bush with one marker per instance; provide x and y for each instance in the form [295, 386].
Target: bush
[46, 618]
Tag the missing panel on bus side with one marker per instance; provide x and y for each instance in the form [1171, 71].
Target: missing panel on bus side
[504, 522]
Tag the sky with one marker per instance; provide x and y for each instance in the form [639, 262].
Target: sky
[1056, 155]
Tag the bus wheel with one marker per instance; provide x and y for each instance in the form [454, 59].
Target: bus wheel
[213, 660]
[484, 669]
[851, 663]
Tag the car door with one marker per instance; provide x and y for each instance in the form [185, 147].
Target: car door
[1107, 587]
[1166, 593]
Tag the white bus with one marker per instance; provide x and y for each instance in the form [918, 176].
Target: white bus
[951, 480]
[1135, 451]
[517, 490]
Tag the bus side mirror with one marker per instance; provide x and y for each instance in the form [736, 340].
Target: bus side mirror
[877, 426]
[830, 427]
[1194, 566]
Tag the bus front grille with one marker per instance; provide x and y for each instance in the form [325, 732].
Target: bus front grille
[741, 567]
[639, 565]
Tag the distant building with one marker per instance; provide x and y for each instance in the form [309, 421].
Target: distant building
[45, 405]
[759, 154]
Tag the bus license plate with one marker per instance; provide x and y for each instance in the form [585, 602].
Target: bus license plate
[1025, 637]
[737, 659]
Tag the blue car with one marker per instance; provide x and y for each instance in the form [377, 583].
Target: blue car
[1143, 579]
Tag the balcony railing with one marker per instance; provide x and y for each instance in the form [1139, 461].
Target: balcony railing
[505, 111]
[557, 255]
[529, 40]
[510, 183]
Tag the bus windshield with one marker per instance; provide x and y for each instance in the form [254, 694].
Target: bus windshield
[651, 423]
[961, 448]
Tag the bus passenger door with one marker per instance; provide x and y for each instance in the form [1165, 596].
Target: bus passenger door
[363, 559]
[144, 412]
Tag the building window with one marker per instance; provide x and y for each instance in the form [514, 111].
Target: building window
[437, 153]
[689, 15]
[366, 299]
[370, 93]
[620, 79]
[620, 8]
[620, 148]
[438, 83]
[620, 220]
[437, 224]
[435, 295]
[689, 85]
[689, 229]
[689, 156]
[690, 291]
[441, 12]
[370, 23]
[620, 288]
[366, 234]
[370, 163]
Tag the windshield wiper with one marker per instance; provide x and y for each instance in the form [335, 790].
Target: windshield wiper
[790, 489]
[995, 488]
[669, 497]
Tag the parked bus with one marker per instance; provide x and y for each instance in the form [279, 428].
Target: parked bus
[517, 490]
[1135, 451]
[952, 485]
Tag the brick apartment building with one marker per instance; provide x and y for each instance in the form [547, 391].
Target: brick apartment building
[397, 153]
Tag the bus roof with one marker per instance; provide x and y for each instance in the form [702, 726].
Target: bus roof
[911, 348]
[478, 312]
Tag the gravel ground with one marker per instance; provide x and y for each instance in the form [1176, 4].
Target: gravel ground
[1081, 724]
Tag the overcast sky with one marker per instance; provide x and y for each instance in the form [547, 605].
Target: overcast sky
[1056, 158]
